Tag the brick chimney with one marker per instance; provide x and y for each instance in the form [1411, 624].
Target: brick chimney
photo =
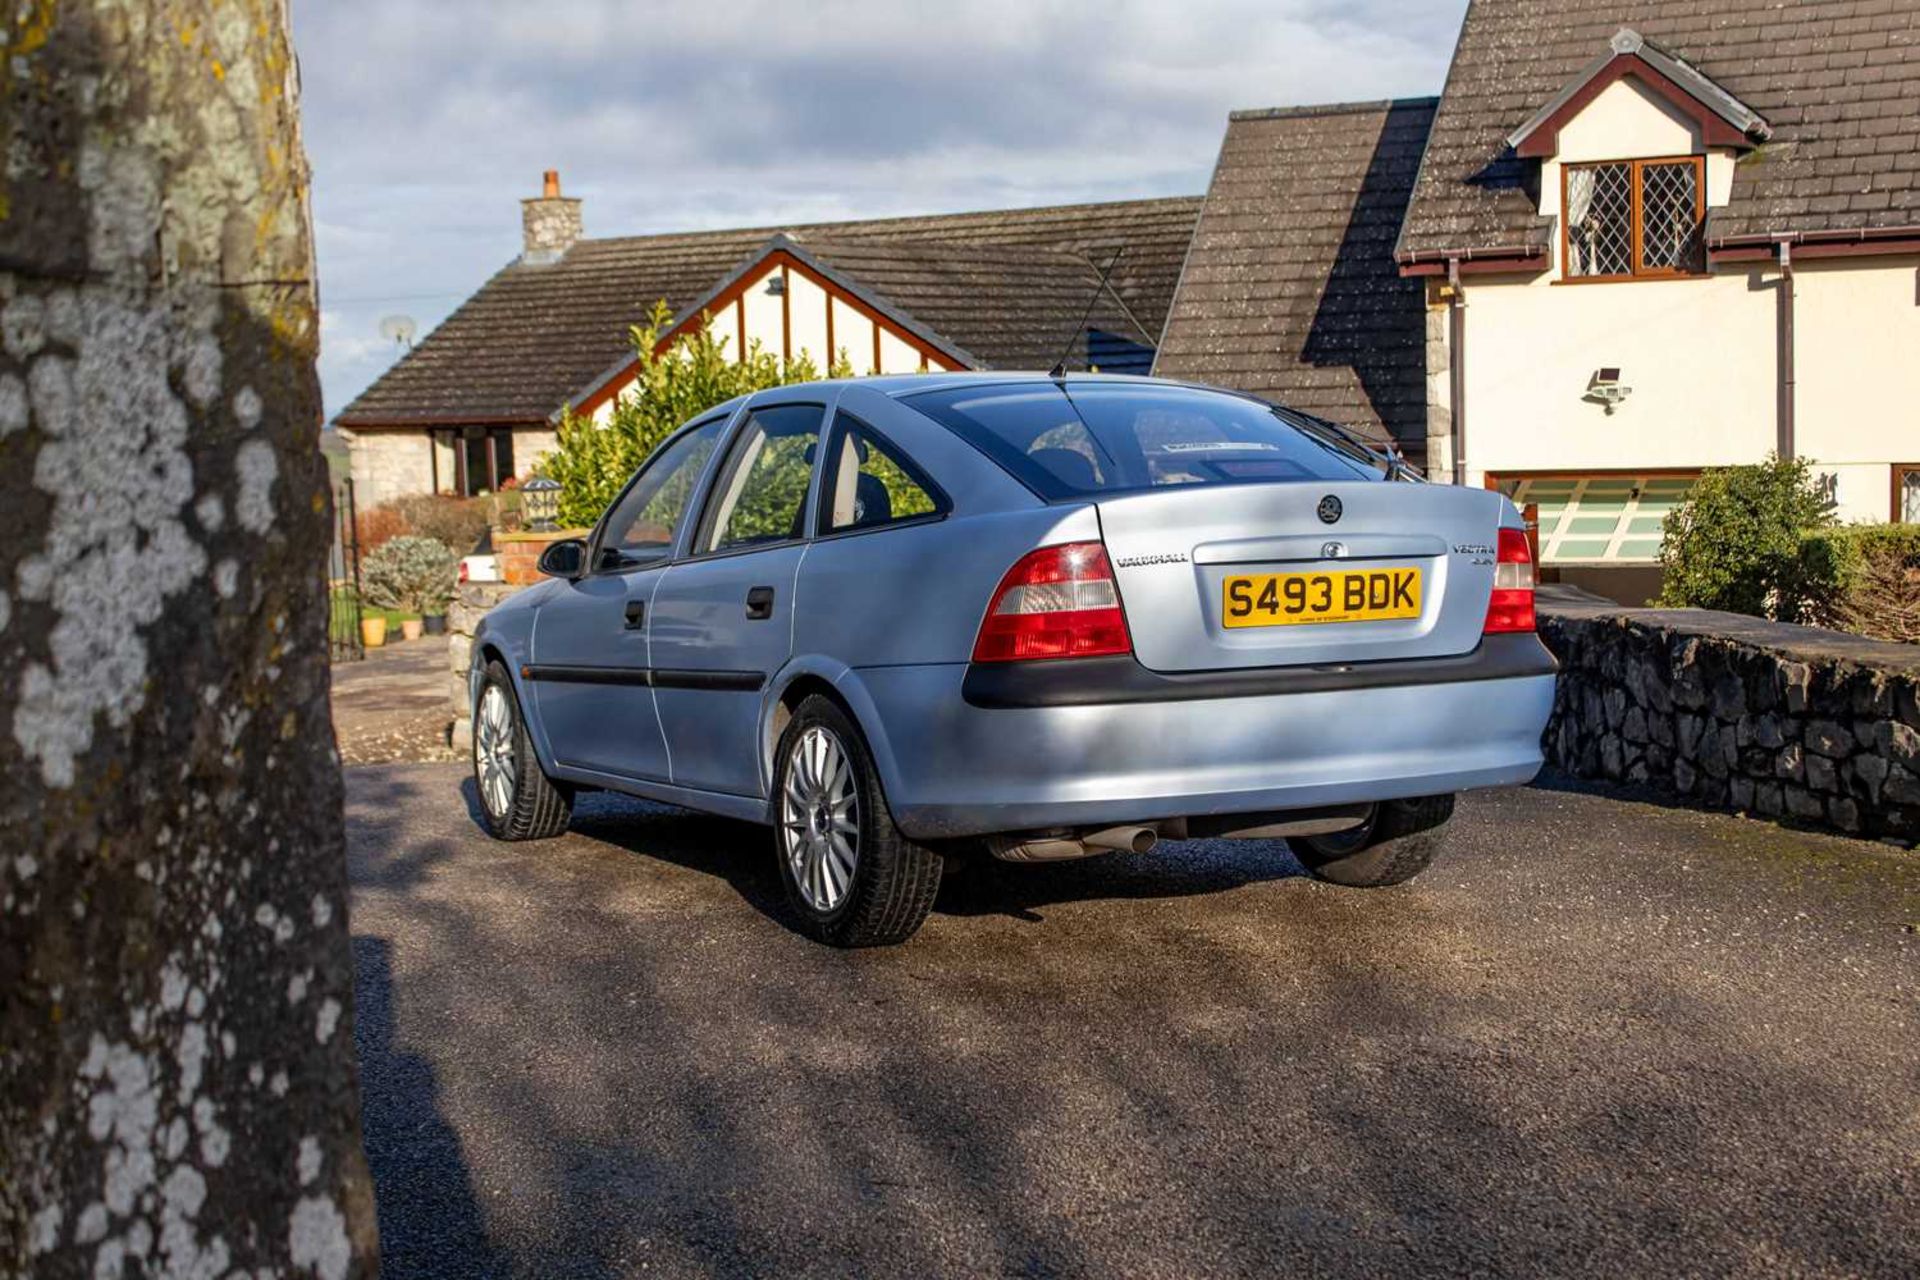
[549, 224]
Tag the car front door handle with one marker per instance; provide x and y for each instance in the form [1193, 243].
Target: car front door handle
[760, 603]
[636, 615]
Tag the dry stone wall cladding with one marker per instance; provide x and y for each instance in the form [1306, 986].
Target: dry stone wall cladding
[1782, 721]
[463, 618]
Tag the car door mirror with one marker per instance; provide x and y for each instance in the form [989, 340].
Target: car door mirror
[564, 559]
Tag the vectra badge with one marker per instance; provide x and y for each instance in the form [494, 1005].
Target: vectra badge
[1329, 509]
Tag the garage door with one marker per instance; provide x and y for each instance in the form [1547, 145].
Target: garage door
[1609, 519]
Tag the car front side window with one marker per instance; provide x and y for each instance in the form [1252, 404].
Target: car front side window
[645, 520]
[761, 497]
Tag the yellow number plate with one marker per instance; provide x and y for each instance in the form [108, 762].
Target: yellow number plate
[1340, 595]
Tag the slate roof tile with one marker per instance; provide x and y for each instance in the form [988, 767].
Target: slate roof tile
[532, 336]
[1834, 78]
[1016, 306]
[1290, 290]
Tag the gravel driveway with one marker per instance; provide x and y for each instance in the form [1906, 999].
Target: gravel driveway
[1604, 1037]
[392, 704]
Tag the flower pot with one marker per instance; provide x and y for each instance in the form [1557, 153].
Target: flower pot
[410, 628]
[434, 624]
[373, 632]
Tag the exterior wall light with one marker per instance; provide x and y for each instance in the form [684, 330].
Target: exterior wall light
[1605, 388]
[776, 286]
[540, 503]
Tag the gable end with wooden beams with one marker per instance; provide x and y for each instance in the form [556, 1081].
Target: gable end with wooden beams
[787, 304]
[479, 399]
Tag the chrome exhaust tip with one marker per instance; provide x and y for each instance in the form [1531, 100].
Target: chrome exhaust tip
[1060, 846]
[1123, 839]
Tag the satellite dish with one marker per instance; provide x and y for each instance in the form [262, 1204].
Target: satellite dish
[398, 329]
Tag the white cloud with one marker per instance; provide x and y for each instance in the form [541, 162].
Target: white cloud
[427, 122]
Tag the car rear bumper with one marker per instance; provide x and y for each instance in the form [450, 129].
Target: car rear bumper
[1338, 735]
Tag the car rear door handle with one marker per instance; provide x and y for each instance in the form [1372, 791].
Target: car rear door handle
[636, 615]
[760, 603]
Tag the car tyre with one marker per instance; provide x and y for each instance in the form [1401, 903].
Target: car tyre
[517, 799]
[852, 878]
[1399, 840]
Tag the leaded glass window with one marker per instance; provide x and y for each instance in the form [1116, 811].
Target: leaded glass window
[1634, 218]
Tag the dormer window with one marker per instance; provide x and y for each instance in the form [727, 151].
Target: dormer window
[1633, 219]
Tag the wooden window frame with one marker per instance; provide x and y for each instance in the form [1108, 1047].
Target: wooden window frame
[1636, 243]
[1900, 472]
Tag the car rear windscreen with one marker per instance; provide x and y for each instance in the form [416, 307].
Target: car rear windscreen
[1071, 440]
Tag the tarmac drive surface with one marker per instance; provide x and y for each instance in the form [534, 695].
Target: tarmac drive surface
[1599, 1037]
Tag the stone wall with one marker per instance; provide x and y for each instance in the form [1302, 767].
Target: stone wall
[1725, 711]
[550, 226]
[388, 464]
[463, 616]
[530, 444]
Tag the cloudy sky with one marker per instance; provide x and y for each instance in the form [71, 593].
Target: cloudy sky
[428, 120]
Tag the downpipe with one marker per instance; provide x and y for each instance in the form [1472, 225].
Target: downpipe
[1786, 444]
[1457, 368]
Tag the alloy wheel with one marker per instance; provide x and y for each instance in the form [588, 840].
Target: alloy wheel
[493, 751]
[820, 819]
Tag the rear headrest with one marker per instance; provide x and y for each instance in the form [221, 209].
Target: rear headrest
[1069, 466]
[872, 504]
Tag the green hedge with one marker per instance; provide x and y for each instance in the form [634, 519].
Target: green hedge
[1734, 543]
[1831, 559]
[1863, 578]
[594, 461]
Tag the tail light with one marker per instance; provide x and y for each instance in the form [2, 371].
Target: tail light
[1511, 606]
[465, 571]
[1057, 602]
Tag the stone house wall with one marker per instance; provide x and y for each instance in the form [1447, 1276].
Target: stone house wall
[388, 464]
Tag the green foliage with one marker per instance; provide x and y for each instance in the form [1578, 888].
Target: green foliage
[773, 493]
[905, 496]
[673, 386]
[1735, 543]
[411, 573]
[1863, 578]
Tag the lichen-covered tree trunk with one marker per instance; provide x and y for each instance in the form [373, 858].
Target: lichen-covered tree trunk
[177, 1082]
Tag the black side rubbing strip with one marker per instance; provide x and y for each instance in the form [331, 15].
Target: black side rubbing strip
[729, 681]
[1084, 682]
[659, 678]
[585, 675]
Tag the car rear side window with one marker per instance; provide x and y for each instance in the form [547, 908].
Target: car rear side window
[870, 483]
[1067, 441]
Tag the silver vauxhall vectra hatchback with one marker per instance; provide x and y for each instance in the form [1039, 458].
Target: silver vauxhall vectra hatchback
[907, 619]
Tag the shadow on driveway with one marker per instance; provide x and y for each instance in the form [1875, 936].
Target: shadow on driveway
[430, 1223]
[1587, 1042]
